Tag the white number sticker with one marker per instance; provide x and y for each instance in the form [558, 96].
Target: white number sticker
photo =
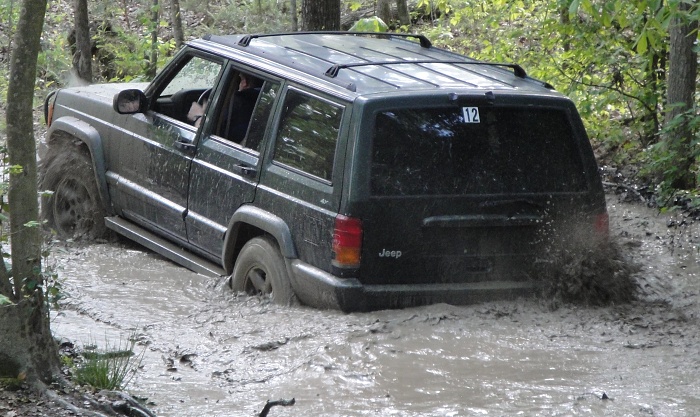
[471, 114]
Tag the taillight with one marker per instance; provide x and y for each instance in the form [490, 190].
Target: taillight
[48, 108]
[602, 225]
[347, 242]
[49, 115]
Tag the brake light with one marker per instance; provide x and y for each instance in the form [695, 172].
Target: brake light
[49, 115]
[602, 225]
[347, 242]
[48, 108]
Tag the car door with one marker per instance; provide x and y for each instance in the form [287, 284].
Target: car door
[225, 171]
[150, 174]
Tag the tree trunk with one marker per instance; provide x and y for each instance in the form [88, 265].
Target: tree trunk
[295, 17]
[320, 15]
[25, 338]
[153, 67]
[176, 19]
[26, 344]
[82, 60]
[384, 11]
[402, 11]
[682, 73]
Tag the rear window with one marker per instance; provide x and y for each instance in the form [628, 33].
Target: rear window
[470, 150]
[308, 133]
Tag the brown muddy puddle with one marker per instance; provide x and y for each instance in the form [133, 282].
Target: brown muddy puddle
[209, 353]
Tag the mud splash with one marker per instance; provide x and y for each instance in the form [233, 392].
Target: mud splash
[211, 353]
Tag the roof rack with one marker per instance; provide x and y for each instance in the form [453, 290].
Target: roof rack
[424, 42]
[335, 69]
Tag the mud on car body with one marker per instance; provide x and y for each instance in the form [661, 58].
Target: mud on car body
[375, 171]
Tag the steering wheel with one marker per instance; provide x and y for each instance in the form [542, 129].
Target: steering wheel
[204, 96]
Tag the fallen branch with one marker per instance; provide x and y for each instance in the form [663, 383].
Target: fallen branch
[626, 187]
[271, 404]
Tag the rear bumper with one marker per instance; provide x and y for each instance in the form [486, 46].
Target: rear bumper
[320, 289]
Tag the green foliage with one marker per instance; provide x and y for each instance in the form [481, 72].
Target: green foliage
[4, 300]
[244, 16]
[664, 159]
[369, 24]
[111, 369]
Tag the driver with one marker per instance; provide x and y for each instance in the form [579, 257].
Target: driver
[198, 107]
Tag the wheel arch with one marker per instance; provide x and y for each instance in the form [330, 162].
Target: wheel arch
[248, 222]
[69, 127]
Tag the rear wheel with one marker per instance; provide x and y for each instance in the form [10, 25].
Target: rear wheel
[260, 270]
[74, 210]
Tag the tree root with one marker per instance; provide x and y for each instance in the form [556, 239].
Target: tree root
[103, 404]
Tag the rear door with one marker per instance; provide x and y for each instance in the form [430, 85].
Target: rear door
[224, 172]
[465, 193]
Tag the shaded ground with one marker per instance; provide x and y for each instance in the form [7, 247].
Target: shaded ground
[211, 353]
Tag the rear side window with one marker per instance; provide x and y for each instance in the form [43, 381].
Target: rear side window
[308, 133]
[458, 151]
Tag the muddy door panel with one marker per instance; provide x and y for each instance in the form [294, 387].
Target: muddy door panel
[150, 174]
[223, 178]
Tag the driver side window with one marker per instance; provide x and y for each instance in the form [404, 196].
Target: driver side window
[189, 86]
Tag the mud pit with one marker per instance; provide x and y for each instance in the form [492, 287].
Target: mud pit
[209, 353]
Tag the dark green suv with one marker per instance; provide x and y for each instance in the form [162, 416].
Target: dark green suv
[343, 170]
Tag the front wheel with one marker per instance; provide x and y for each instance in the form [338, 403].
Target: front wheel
[75, 209]
[260, 270]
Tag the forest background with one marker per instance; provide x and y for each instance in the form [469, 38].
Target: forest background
[611, 57]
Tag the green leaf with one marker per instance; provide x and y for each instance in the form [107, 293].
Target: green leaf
[5, 301]
[642, 43]
[32, 223]
[355, 5]
[16, 169]
[369, 24]
[573, 7]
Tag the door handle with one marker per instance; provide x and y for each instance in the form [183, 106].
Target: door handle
[184, 146]
[245, 170]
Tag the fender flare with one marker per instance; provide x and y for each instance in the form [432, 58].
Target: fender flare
[262, 220]
[87, 134]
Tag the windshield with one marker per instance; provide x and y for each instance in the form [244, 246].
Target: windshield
[474, 150]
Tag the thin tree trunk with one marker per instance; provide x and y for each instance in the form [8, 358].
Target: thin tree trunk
[154, 40]
[320, 15]
[682, 73]
[82, 61]
[384, 11]
[295, 17]
[402, 11]
[22, 193]
[26, 343]
[176, 19]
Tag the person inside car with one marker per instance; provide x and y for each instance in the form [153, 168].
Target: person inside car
[240, 108]
[198, 107]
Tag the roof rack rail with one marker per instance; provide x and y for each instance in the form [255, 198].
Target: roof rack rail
[335, 69]
[424, 42]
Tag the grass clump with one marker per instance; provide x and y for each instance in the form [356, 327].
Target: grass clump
[111, 369]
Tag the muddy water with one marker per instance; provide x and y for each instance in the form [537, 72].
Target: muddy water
[209, 353]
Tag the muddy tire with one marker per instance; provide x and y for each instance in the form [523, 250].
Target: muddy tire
[260, 270]
[75, 209]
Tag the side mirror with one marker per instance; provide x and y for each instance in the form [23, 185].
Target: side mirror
[130, 101]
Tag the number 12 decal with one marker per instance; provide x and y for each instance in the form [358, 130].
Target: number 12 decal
[471, 114]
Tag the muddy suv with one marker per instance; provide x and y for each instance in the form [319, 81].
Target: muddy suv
[358, 172]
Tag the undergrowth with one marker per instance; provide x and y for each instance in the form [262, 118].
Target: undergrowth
[110, 369]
